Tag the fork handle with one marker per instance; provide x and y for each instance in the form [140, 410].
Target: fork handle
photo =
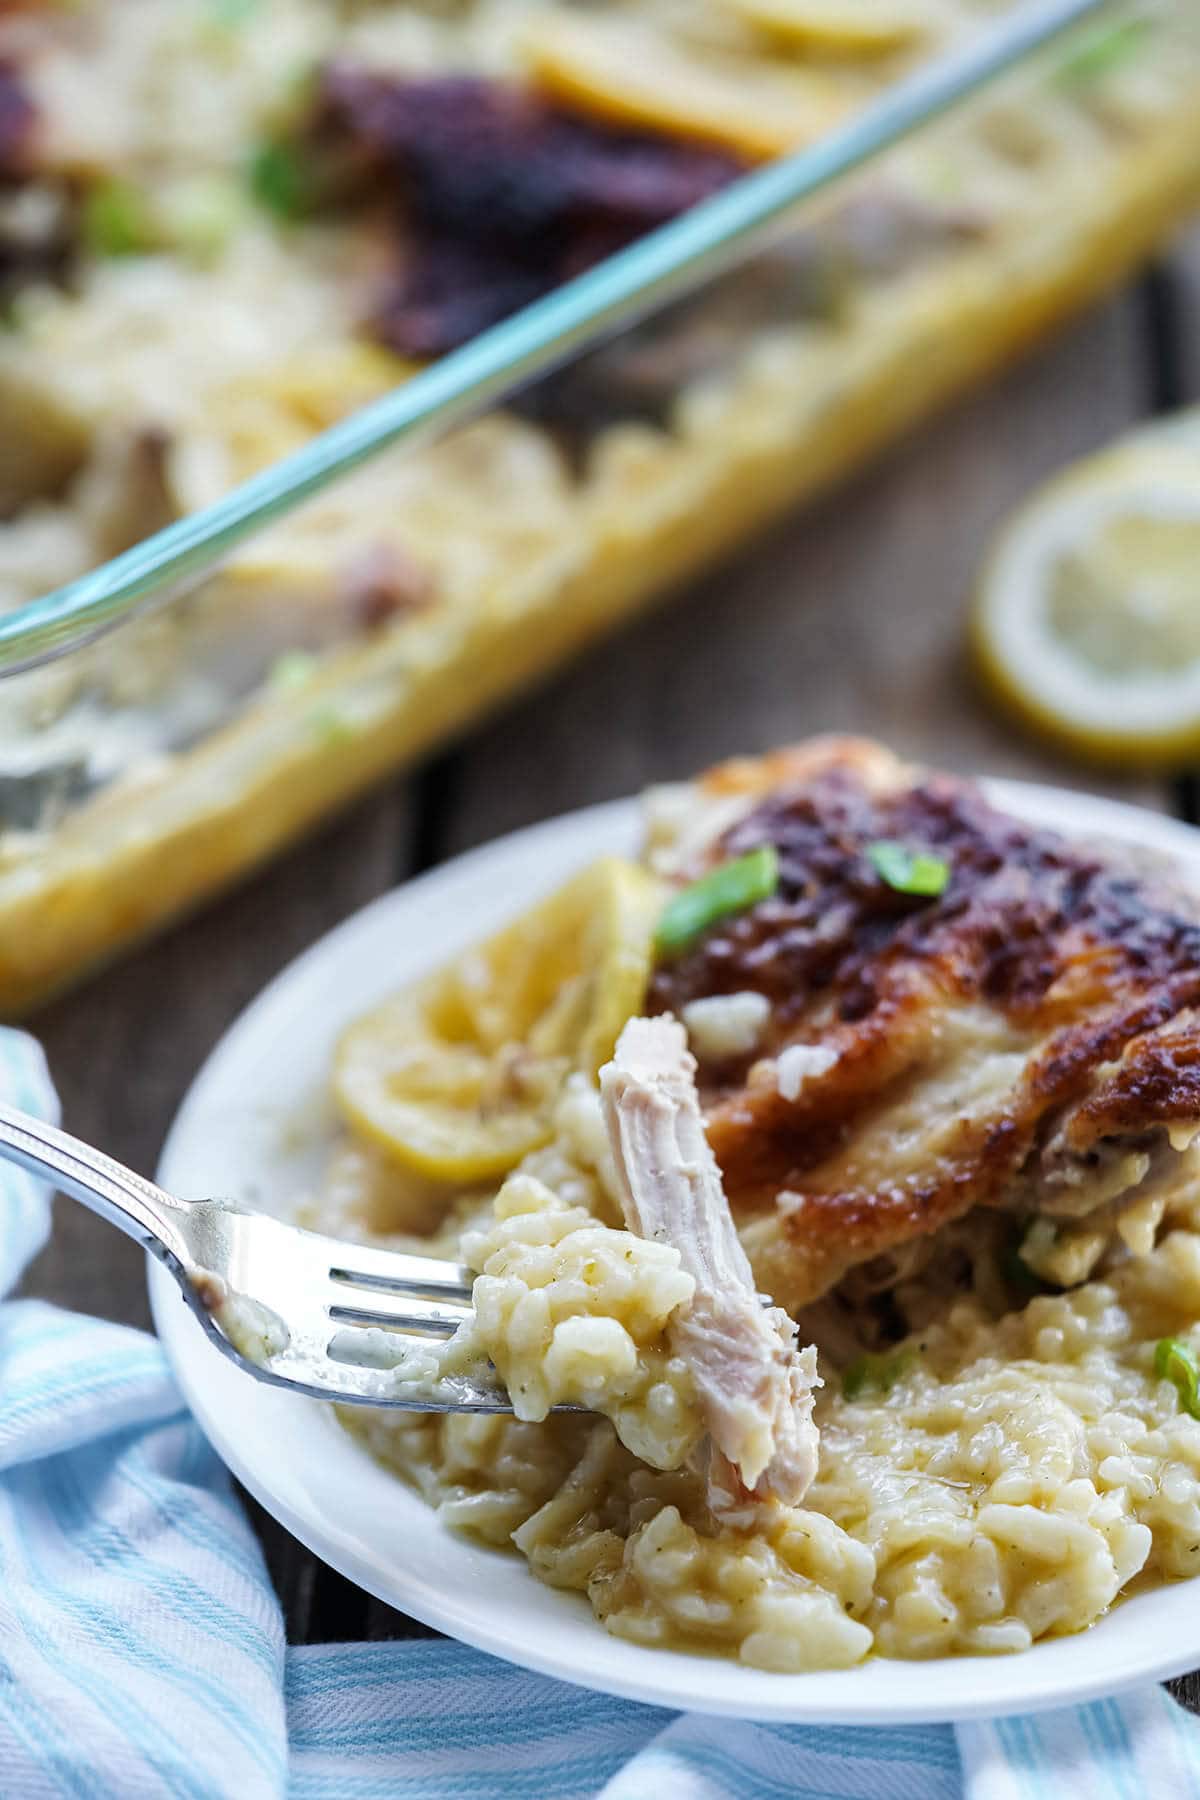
[153, 1219]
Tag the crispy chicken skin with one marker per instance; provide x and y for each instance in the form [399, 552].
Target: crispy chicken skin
[754, 1386]
[1029, 1039]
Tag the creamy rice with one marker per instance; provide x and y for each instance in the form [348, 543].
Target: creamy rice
[992, 1481]
[573, 1312]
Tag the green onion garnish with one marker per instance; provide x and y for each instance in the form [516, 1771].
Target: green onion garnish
[294, 669]
[731, 888]
[909, 871]
[277, 180]
[1174, 1362]
[875, 1373]
[117, 220]
[1102, 53]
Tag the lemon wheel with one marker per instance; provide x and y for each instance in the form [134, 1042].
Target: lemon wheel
[1087, 619]
[848, 27]
[458, 1075]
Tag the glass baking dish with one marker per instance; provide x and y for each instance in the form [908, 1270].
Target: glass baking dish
[227, 337]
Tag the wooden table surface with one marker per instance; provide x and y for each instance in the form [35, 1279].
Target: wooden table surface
[848, 617]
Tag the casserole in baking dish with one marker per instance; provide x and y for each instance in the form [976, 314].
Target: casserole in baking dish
[226, 223]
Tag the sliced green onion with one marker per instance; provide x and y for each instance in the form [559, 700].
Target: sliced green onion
[1103, 53]
[293, 670]
[277, 180]
[200, 215]
[875, 1374]
[1174, 1362]
[731, 888]
[909, 871]
[118, 220]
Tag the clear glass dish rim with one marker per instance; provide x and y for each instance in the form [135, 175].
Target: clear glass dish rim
[670, 262]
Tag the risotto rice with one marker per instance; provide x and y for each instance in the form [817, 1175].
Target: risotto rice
[1006, 1482]
[997, 1464]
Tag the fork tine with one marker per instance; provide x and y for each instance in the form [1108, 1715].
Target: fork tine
[399, 1312]
[352, 1384]
[391, 1271]
[268, 1294]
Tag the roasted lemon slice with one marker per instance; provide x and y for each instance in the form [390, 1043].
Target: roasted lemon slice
[631, 74]
[850, 27]
[1087, 621]
[458, 1075]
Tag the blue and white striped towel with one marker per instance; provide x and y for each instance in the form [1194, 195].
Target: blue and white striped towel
[142, 1650]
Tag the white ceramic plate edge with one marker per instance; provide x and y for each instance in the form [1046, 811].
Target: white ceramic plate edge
[299, 1464]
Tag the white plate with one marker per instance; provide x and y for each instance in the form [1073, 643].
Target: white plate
[238, 1135]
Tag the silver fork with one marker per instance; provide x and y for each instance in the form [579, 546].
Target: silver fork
[304, 1297]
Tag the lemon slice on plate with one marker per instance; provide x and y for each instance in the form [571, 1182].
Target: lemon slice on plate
[458, 1074]
[1087, 621]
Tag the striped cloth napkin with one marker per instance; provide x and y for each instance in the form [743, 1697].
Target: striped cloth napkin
[142, 1650]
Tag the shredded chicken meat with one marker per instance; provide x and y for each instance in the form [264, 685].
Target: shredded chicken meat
[755, 1386]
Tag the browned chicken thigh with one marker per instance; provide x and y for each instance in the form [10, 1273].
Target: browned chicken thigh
[1024, 1039]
